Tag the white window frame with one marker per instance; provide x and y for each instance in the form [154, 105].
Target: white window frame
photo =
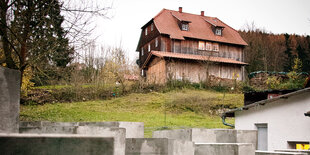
[185, 26]
[152, 27]
[201, 45]
[145, 31]
[149, 47]
[208, 46]
[218, 31]
[156, 42]
[142, 51]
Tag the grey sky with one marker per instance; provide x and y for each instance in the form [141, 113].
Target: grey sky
[276, 16]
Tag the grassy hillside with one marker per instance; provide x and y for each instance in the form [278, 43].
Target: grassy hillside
[175, 109]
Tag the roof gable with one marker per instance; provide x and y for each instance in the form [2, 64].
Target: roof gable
[200, 27]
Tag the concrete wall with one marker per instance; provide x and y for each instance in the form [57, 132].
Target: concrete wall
[285, 120]
[224, 149]
[119, 134]
[29, 144]
[158, 146]
[278, 153]
[133, 129]
[209, 135]
[9, 100]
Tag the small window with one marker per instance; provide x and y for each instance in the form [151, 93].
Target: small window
[185, 26]
[142, 52]
[215, 47]
[149, 47]
[218, 31]
[156, 42]
[208, 46]
[152, 27]
[201, 45]
[146, 31]
[143, 73]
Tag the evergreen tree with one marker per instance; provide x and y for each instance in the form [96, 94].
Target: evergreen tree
[288, 52]
[34, 35]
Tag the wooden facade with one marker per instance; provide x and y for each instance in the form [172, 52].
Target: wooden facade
[159, 70]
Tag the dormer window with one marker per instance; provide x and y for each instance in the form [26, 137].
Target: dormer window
[218, 31]
[146, 31]
[185, 27]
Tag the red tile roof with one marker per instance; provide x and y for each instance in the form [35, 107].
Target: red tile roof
[191, 57]
[199, 27]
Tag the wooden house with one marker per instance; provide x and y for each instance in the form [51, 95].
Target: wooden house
[182, 46]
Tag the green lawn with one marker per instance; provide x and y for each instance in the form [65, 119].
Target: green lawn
[184, 108]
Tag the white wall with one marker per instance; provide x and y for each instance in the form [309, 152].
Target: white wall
[285, 118]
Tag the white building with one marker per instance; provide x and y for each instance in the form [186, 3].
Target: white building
[282, 122]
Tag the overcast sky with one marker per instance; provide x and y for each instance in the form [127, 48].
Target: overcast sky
[128, 16]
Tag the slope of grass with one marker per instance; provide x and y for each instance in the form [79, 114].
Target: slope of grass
[175, 109]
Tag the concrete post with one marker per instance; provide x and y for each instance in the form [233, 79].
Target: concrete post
[9, 100]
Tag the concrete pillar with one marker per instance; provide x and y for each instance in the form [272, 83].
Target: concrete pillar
[9, 100]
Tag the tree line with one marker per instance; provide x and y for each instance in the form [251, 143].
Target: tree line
[275, 52]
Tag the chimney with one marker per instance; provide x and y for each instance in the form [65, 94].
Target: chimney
[202, 13]
[180, 9]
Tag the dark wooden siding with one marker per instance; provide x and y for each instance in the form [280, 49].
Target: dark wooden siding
[145, 40]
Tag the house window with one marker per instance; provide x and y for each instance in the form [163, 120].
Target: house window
[146, 31]
[300, 145]
[184, 26]
[152, 27]
[143, 73]
[156, 42]
[208, 46]
[201, 45]
[149, 47]
[215, 47]
[218, 31]
[142, 52]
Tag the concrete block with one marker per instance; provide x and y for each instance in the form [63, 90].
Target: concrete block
[133, 129]
[209, 135]
[247, 136]
[9, 100]
[224, 149]
[278, 153]
[118, 134]
[293, 150]
[28, 144]
[158, 146]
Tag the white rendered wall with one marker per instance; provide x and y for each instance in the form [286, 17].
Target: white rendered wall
[285, 118]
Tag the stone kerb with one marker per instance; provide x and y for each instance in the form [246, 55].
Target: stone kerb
[60, 144]
[158, 146]
[9, 100]
[293, 150]
[278, 153]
